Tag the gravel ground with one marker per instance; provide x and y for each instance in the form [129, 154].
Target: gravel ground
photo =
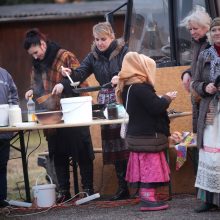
[181, 207]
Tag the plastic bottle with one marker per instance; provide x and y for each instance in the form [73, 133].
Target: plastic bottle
[14, 115]
[31, 109]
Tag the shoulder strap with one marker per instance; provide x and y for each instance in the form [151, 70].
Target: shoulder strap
[126, 105]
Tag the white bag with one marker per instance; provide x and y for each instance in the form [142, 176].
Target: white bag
[123, 131]
[124, 125]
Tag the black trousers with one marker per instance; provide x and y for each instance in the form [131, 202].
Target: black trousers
[4, 157]
[62, 164]
[72, 144]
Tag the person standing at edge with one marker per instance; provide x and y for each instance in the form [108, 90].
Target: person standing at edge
[207, 85]
[148, 118]
[8, 95]
[104, 61]
[198, 23]
[63, 143]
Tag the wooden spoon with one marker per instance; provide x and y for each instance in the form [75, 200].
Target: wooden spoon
[43, 98]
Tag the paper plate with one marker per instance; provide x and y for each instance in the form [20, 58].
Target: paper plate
[25, 124]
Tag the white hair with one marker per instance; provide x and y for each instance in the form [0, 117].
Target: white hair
[199, 16]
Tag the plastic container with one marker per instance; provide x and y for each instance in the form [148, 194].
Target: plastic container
[31, 110]
[112, 111]
[14, 115]
[44, 195]
[77, 109]
[4, 119]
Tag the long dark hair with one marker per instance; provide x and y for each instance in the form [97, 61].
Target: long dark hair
[33, 37]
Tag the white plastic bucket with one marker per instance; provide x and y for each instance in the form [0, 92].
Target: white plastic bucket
[44, 195]
[4, 108]
[14, 115]
[77, 109]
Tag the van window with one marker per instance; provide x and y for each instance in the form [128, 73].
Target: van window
[184, 50]
[150, 29]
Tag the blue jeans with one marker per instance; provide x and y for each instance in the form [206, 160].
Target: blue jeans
[4, 157]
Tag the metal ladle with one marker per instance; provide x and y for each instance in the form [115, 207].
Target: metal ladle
[74, 84]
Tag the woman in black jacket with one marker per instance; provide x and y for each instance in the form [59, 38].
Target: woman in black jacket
[147, 118]
[104, 61]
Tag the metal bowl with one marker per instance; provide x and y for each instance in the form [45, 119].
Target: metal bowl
[51, 117]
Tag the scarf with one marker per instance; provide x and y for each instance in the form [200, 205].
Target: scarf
[136, 68]
[107, 52]
[44, 65]
[215, 77]
[215, 63]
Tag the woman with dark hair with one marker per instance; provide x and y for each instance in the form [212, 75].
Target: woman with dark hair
[65, 143]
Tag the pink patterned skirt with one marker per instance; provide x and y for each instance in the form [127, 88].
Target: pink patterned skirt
[147, 168]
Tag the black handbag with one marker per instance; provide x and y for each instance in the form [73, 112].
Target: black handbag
[147, 143]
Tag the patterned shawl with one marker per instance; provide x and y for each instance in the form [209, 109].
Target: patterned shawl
[215, 63]
[46, 73]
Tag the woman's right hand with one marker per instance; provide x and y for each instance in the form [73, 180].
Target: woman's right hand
[57, 89]
[65, 71]
[210, 88]
[115, 80]
[186, 81]
[28, 94]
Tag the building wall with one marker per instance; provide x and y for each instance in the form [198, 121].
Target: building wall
[72, 34]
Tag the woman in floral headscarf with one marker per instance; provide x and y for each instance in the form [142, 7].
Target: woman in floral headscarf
[147, 116]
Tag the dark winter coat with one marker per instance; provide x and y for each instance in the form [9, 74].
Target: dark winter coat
[147, 112]
[104, 65]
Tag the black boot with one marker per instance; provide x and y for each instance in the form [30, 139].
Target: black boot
[63, 196]
[205, 207]
[63, 176]
[122, 192]
[86, 172]
[89, 192]
[4, 203]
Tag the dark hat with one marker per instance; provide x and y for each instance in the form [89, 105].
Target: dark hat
[215, 22]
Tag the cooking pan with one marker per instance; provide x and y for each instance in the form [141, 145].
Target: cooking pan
[92, 88]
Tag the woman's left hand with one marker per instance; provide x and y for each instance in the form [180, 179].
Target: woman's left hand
[210, 88]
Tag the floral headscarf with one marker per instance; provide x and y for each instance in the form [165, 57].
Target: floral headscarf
[136, 68]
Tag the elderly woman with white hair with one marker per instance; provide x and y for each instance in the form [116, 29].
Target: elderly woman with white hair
[147, 118]
[198, 23]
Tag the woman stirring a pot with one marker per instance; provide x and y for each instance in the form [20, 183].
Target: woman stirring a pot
[104, 61]
[63, 143]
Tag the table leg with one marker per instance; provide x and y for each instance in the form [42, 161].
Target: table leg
[25, 168]
[75, 178]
